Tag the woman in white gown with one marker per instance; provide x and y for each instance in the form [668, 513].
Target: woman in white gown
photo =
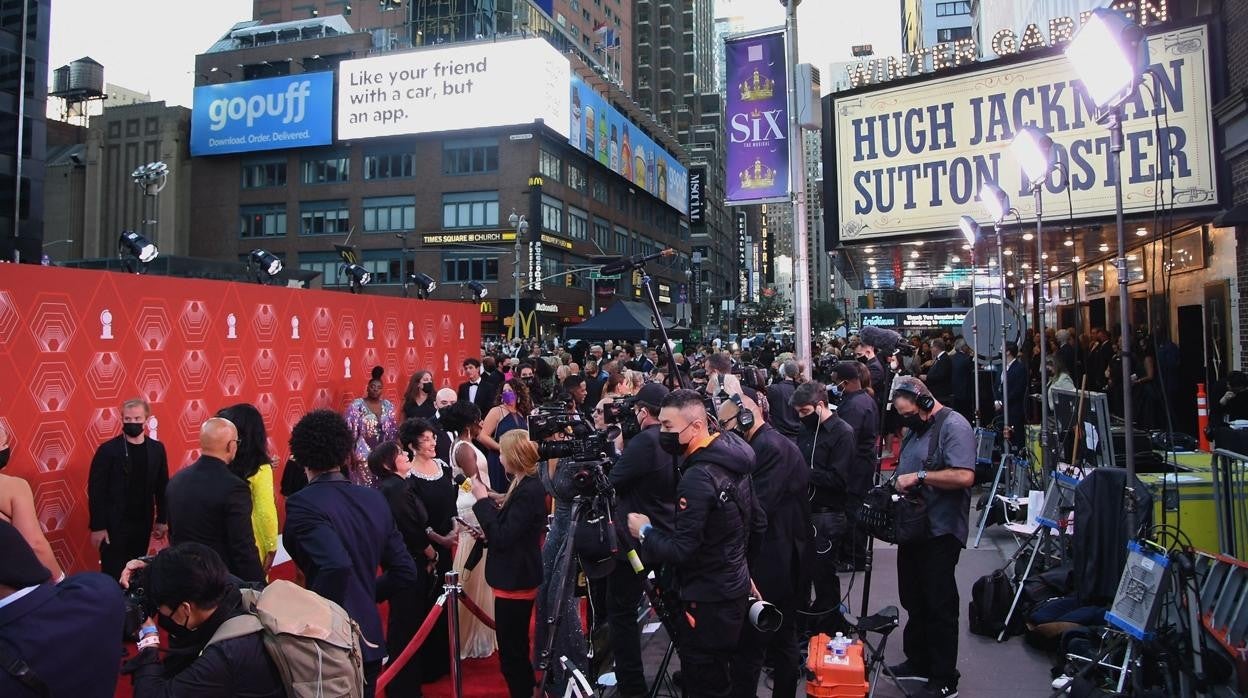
[476, 638]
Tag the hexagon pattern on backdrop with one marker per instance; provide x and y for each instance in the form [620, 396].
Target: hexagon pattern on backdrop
[190, 347]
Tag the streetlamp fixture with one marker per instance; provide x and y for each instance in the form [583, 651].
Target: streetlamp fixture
[522, 228]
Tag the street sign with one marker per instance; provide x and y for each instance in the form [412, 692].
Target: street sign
[596, 275]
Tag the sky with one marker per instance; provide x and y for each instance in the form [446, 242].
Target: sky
[150, 45]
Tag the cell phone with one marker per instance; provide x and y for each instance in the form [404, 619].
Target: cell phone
[467, 525]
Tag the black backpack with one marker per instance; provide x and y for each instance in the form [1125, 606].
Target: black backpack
[991, 596]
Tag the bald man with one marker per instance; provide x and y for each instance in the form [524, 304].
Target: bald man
[208, 504]
[444, 399]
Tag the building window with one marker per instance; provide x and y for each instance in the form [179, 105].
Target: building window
[621, 199]
[578, 224]
[469, 156]
[465, 269]
[576, 279]
[264, 220]
[382, 264]
[470, 209]
[953, 34]
[387, 213]
[602, 234]
[328, 170]
[552, 215]
[576, 178]
[324, 218]
[257, 175]
[952, 9]
[550, 267]
[389, 165]
[621, 240]
[549, 165]
[600, 191]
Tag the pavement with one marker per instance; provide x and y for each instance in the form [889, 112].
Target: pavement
[988, 668]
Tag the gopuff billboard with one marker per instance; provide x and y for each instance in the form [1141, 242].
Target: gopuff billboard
[291, 111]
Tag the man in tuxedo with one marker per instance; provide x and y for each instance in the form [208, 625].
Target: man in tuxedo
[490, 372]
[210, 505]
[125, 487]
[962, 378]
[939, 378]
[475, 390]
[442, 400]
[1100, 357]
[1014, 385]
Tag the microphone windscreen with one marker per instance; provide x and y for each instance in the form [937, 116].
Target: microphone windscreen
[884, 341]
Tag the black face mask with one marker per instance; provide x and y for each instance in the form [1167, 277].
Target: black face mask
[914, 422]
[669, 441]
[811, 421]
[4, 457]
[428, 388]
[174, 628]
[863, 360]
[132, 429]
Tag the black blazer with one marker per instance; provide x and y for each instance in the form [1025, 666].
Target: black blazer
[339, 534]
[410, 515]
[644, 479]
[106, 484]
[514, 536]
[781, 479]
[485, 395]
[940, 378]
[962, 373]
[208, 504]
[1016, 386]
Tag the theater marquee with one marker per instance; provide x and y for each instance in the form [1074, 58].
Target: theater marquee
[909, 159]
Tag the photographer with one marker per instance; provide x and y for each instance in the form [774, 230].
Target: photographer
[781, 480]
[783, 417]
[192, 592]
[644, 479]
[827, 446]
[943, 473]
[718, 524]
[859, 411]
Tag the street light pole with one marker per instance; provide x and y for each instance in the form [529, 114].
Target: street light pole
[797, 180]
[522, 226]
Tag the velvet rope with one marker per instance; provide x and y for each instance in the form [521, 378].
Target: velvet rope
[475, 609]
[418, 639]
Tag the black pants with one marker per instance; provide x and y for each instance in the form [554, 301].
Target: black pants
[511, 626]
[929, 593]
[623, 593]
[127, 542]
[830, 529]
[855, 541]
[371, 671]
[407, 612]
[707, 645]
[781, 646]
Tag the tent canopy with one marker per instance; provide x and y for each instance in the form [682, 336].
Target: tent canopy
[623, 321]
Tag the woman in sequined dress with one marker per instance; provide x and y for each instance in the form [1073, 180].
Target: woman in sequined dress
[372, 421]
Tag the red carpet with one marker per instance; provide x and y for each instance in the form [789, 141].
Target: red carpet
[482, 678]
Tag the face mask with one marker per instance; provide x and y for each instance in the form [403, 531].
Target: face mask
[862, 359]
[428, 388]
[132, 429]
[669, 441]
[509, 398]
[835, 390]
[171, 626]
[4, 457]
[914, 422]
[811, 421]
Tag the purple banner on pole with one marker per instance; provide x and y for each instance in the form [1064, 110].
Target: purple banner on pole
[757, 168]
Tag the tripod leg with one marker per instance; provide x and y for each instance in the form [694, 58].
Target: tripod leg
[868, 562]
[992, 495]
[555, 602]
[1018, 593]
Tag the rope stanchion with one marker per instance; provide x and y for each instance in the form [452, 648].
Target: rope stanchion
[418, 639]
[475, 609]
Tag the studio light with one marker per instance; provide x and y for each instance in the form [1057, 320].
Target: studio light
[358, 275]
[424, 284]
[138, 247]
[996, 202]
[478, 289]
[1109, 54]
[265, 264]
[1034, 151]
[151, 177]
[969, 228]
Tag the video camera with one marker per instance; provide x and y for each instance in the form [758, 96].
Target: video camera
[139, 607]
[620, 412]
[584, 443]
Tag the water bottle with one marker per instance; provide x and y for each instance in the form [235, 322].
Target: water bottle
[840, 649]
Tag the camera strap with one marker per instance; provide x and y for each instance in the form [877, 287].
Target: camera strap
[938, 423]
[23, 674]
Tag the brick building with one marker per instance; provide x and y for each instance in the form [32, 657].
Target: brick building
[1231, 117]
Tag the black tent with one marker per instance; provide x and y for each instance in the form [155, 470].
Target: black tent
[623, 321]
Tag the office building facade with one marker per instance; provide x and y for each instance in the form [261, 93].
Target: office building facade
[23, 119]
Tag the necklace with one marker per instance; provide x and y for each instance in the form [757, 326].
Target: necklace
[425, 476]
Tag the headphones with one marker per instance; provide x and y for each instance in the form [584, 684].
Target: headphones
[923, 401]
[744, 417]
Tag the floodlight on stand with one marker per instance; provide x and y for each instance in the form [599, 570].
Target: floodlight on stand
[424, 284]
[138, 246]
[151, 177]
[478, 289]
[1109, 55]
[266, 264]
[1034, 151]
[969, 228]
[358, 275]
[996, 202]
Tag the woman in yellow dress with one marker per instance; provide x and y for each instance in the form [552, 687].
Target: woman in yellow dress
[254, 465]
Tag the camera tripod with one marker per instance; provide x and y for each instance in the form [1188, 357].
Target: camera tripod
[554, 617]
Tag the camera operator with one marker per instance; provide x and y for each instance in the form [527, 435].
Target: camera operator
[55, 639]
[718, 527]
[718, 364]
[644, 479]
[873, 342]
[781, 480]
[193, 594]
[827, 446]
[783, 416]
[859, 411]
[925, 569]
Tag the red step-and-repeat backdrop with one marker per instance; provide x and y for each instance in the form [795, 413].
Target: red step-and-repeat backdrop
[75, 344]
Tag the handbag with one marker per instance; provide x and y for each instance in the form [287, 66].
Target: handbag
[894, 517]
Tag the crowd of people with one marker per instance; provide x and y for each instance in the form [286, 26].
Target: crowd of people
[737, 478]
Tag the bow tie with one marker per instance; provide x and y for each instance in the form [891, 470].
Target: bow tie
[474, 383]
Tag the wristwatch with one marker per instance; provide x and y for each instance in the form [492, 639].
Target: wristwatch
[922, 476]
[641, 538]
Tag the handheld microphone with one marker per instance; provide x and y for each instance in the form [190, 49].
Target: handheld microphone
[462, 482]
[618, 265]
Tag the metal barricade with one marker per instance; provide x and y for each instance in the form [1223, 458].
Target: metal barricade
[1230, 493]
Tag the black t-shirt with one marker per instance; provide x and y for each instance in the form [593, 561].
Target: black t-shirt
[138, 498]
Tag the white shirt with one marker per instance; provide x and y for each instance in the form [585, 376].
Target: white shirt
[472, 391]
[17, 595]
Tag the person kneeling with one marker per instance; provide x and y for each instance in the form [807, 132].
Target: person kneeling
[193, 594]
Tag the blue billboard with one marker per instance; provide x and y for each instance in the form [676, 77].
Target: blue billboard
[291, 111]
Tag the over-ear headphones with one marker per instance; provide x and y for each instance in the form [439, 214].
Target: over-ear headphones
[924, 401]
[744, 417]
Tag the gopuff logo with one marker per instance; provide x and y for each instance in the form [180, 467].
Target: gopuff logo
[290, 105]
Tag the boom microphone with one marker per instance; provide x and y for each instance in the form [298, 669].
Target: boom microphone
[618, 265]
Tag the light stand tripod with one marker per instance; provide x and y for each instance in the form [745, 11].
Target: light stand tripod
[554, 616]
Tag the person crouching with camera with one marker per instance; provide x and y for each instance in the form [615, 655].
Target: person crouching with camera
[513, 529]
[193, 594]
[718, 525]
[938, 462]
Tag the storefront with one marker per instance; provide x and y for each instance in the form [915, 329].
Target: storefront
[539, 318]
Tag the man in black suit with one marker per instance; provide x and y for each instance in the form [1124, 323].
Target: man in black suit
[64, 635]
[781, 482]
[783, 416]
[475, 390]
[490, 372]
[208, 504]
[1014, 385]
[444, 399]
[125, 486]
[962, 375]
[339, 534]
[859, 411]
[939, 378]
[1100, 358]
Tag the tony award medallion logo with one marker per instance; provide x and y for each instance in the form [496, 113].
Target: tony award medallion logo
[106, 324]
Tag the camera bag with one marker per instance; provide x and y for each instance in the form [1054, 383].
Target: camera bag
[892, 517]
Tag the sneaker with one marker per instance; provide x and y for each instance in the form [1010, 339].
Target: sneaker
[907, 672]
[944, 690]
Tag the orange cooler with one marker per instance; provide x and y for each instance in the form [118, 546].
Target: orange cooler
[833, 680]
